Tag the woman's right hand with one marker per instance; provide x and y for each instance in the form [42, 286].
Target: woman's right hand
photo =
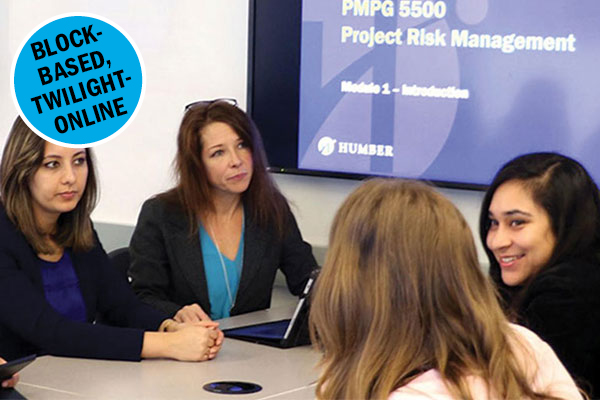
[192, 342]
[9, 383]
[191, 313]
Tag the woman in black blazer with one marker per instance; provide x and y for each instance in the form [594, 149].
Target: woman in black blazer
[54, 275]
[211, 246]
[540, 225]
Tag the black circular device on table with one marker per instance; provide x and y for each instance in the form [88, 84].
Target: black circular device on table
[232, 387]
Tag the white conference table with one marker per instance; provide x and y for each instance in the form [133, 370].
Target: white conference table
[282, 373]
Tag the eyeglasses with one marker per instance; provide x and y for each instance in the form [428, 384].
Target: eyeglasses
[208, 103]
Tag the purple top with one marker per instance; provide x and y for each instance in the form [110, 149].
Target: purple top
[61, 287]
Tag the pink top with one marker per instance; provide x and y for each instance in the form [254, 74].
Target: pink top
[547, 372]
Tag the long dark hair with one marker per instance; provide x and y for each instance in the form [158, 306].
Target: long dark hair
[263, 201]
[565, 190]
[22, 157]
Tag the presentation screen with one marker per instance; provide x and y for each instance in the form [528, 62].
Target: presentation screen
[441, 90]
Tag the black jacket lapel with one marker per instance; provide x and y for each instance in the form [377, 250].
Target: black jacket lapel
[188, 257]
[255, 244]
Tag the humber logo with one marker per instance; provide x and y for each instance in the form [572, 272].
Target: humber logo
[327, 146]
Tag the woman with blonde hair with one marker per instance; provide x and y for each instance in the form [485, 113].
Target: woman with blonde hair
[402, 310]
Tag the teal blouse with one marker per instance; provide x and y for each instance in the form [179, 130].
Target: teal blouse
[222, 274]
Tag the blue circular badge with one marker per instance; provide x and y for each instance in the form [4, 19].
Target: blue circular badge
[78, 80]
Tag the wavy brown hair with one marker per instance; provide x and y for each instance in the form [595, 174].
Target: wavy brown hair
[402, 292]
[22, 157]
[263, 200]
[570, 197]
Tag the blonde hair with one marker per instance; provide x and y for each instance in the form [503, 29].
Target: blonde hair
[22, 157]
[402, 292]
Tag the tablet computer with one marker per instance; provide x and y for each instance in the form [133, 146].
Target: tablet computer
[12, 367]
[284, 333]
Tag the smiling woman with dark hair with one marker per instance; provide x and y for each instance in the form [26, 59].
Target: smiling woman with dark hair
[540, 225]
[54, 275]
[211, 246]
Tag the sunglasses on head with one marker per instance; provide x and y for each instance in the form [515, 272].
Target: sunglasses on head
[208, 103]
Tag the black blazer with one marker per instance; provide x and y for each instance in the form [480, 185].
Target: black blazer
[167, 267]
[562, 305]
[29, 324]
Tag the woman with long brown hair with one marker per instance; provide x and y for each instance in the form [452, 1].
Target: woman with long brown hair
[402, 310]
[540, 227]
[211, 246]
[55, 277]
